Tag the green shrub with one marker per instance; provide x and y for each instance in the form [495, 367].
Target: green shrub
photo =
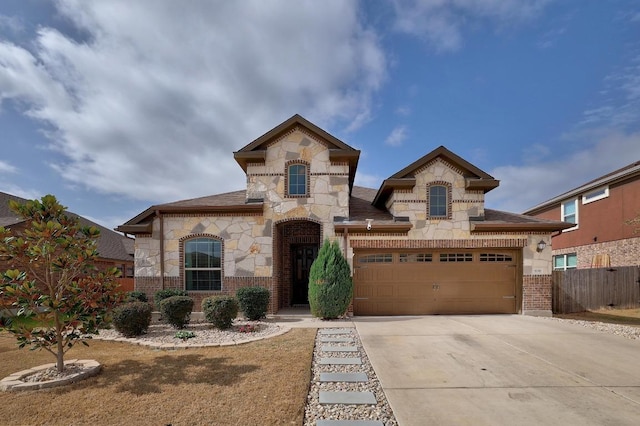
[136, 296]
[132, 318]
[160, 295]
[176, 310]
[220, 310]
[330, 284]
[253, 301]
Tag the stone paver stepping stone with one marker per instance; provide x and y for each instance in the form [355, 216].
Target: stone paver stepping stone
[349, 423]
[344, 377]
[331, 339]
[340, 361]
[330, 348]
[348, 398]
[329, 331]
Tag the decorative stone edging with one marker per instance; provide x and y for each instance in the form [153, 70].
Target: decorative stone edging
[15, 381]
[186, 345]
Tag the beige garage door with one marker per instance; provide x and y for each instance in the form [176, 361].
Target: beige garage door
[436, 282]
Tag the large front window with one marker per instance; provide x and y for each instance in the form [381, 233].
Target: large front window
[202, 264]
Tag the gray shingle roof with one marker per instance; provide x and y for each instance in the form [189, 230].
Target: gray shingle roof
[111, 245]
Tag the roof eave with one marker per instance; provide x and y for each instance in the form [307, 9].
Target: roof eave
[485, 185]
[243, 158]
[517, 227]
[375, 227]
[387, 187]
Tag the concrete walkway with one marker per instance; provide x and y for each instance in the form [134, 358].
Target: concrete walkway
[502, 370]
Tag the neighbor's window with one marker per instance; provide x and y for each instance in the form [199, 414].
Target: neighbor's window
[202, 264]
[297, 179]
[595, 195]
[569, 212]
[563, 262]
[438, 201]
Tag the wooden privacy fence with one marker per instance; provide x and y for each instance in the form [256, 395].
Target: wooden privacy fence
[577, 290]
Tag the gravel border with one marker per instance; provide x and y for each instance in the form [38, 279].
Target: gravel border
[314, 411]
[162, 336]
[628, 331]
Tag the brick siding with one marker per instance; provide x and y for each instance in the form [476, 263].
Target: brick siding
[621, 253]
[536, 293]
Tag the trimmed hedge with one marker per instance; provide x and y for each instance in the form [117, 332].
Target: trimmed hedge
[253, 301]
[220, 310]
[176, 310]
[132, 318]
[137, 296]
[160, 295]
[330, 284]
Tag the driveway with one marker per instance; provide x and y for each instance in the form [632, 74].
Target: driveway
[502, 370]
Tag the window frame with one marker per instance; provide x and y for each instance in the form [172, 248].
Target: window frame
[589, 197]
[287, 177]
[447, 201]
[184, 268]
[563, 216]
[565, 258]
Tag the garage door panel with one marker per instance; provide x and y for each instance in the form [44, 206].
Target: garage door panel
[475, 281]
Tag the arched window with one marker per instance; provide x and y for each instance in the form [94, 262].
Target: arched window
[297, 180]
[203, 264]
[438, 201]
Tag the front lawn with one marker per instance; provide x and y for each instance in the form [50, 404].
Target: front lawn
[260, 383]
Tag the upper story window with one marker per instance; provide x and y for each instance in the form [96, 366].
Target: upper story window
[595, 195]
[203, 264]
[297, 177]
[569, 212]
[438, 203]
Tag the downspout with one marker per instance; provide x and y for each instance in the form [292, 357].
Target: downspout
[159, 216]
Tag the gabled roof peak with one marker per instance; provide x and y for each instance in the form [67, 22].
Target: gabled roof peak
[475, 178]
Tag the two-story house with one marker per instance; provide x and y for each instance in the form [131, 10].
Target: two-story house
[600, 211]
[422, 243]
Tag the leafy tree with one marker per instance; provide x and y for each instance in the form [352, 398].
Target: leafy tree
[54, 295]
[330, 283]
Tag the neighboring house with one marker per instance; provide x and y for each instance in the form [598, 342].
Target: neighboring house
[599, 211]
[115, 249]
[422, 243]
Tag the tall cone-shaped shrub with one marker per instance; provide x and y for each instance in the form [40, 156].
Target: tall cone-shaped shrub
[330, 284]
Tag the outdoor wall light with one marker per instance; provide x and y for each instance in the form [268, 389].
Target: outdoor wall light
[369, 221]
[541, 246]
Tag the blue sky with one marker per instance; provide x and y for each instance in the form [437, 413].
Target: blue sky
[115, 106]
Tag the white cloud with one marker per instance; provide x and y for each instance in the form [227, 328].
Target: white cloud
[441, 23]
[7, 168]
[153, 102]
[368, 180]
[397, 136]
[523, 187]
[620, 106]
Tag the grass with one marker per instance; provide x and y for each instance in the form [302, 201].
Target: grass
[259, 383]
[613, 316]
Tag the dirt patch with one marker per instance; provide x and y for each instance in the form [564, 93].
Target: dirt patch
[264, 382]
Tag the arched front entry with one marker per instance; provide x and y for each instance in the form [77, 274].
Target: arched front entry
[296, 245]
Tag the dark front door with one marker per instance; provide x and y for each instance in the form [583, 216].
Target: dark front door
[303, 256]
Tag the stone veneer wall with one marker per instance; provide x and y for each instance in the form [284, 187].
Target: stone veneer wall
[621, 253]
[248, 244]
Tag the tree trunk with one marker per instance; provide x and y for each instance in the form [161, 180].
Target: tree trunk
[59, 346]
